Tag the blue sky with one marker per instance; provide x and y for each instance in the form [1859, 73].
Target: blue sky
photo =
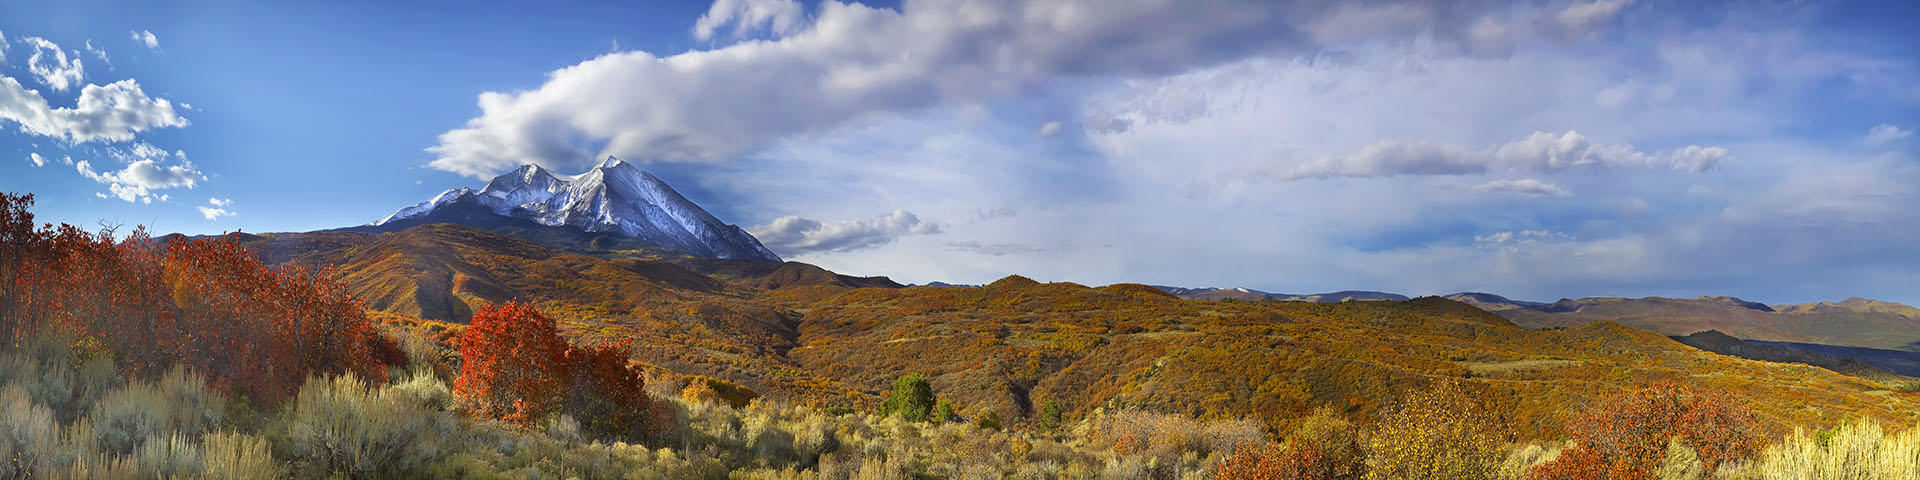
[1540, 150]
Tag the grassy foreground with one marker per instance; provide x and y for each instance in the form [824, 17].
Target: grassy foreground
[64, 415]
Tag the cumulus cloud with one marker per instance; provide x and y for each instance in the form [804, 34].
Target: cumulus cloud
[1883, 134]
[36, 159]
[777, 17]
[1539, 152]
[216, 208]
[138, 180]
[792, 235]
[52, 66]
[850, 62]
[145, 37]
[112, 112]
[1524, 186]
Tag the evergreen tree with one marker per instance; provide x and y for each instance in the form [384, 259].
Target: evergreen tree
[912, 398]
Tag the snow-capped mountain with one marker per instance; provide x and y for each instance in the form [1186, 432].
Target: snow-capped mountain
[612, 197]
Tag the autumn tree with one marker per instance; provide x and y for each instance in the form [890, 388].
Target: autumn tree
[1323, 447]
[1447, 431]
[205, 304]
[1629, 437]
[515, 367]
[512, 364]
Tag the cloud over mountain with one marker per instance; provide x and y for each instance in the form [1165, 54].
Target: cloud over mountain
[850, 62]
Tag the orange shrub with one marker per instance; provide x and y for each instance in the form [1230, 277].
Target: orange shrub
[511, 364]
[1628, 439]
[204, 304]
[515, 367]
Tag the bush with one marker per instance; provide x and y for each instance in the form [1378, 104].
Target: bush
[610, 397]
[1049, 416]
[27, 431]
[178, 404]
[1858, 449]
[1443, 432]
[911, 398]
[237, 456]
[943, 413]
[59, 376]
[1629, 438]
[988, 420]
[340, 425]
[511, 364]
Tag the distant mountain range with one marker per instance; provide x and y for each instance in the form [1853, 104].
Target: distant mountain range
[614, 206]
[1251, 295]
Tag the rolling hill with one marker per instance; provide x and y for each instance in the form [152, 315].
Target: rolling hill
[1856, 323]
[797, 333]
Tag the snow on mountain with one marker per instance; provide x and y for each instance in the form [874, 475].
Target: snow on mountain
[614, 196]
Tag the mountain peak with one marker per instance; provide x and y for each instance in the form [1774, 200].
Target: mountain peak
[613, 197]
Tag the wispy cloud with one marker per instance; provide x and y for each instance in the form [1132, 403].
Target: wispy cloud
[216, 208]
[794, 235]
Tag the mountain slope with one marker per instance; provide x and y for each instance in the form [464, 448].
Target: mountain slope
[614, 197]
[1739, 318]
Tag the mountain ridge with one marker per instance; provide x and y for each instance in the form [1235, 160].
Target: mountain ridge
[614, 197]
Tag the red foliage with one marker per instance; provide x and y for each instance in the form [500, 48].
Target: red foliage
[515, 367]
[204, 304]
[512, 364]
[1629, 439]
[603, 393]
[1300, 459]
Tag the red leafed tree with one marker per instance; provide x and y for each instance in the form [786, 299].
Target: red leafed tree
[515, 367]
[1629, 439]
[604, 394]
[205, 304]
[264, 330]
[512, 364]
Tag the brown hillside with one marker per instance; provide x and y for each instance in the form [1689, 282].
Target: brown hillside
[1016, 343]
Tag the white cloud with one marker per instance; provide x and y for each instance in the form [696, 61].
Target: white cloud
[216, 208]
[1580, 18]
[778, 17]
[36, 159]
[52, 66]
[145, 37]
[138, 180]
[99, 53]
[3, 46]
[113, 112]
[1885, 133]
[1049, 128]
[792, 235]
[1696, 159]
[851, 62]
[1539, 152]
[1524, 186]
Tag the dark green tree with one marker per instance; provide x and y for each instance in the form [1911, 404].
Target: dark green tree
[1049, 416]
[911, 399]
[943, 412]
